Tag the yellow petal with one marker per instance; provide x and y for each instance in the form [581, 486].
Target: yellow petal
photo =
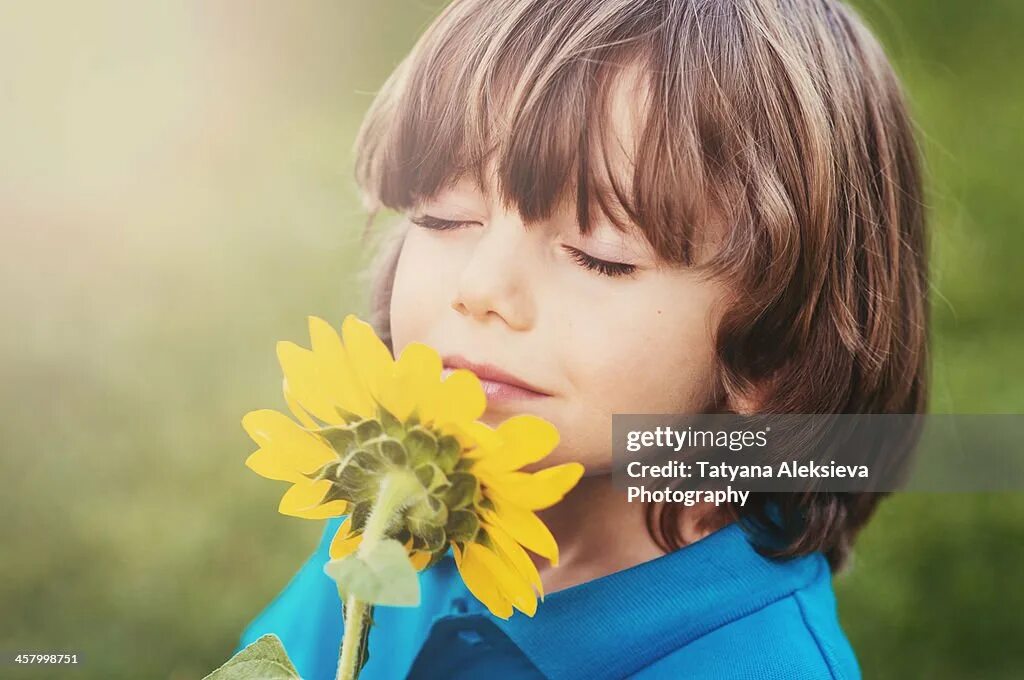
[523, 526]
[481, 582]
[297, 410]
[478, 437]
[524, 439]
[304, 495]
[306, 383]
[514, 554]
[342, 544]
[419, 559]
[323, 511]
[512, 586]
[342, 384]
[536, 490]
[284, 444]
[417, 378]
[459, 398]
[272, 466]
[368, 355]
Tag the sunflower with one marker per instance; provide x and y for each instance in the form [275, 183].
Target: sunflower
[368, 422]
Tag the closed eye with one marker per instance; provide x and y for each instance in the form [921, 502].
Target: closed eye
[585, 260]
[603, 267]
[437, 223]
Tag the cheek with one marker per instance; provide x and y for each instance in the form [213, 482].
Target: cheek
[656, 358]
[416, 294]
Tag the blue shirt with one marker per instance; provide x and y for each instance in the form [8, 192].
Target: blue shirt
[713, 609]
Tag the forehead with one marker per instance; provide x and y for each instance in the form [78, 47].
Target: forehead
[583, 125]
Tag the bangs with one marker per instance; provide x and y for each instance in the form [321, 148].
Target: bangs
[525, 97]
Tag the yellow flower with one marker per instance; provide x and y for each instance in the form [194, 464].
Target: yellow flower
[366, 418]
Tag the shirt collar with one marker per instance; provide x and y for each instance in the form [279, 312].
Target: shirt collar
[620, 623]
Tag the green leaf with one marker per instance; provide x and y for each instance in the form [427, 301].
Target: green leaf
[383, 575]
[264, 659]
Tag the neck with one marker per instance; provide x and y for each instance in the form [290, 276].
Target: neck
[598, 533]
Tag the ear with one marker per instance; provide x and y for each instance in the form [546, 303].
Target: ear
[742, 404]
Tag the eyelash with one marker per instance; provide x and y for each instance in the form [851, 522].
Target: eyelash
[602, 267]
[435, 223]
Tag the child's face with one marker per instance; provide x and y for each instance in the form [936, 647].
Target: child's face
[494, 292]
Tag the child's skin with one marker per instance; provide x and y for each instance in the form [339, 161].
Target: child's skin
[494, 291]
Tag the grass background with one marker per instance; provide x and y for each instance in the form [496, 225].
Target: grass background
[176, 195]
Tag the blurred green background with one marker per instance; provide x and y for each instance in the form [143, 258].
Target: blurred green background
[176, 196]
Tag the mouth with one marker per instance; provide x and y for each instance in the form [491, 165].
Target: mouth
[499, 385]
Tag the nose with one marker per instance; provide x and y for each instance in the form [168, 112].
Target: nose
[495, 280]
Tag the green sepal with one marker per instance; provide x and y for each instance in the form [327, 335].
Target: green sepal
[356, 484]
[462, 491]
[382, 575]
[432, 477]
[462, 526]
[448, 450]
[484, 539]
[335, 494]
[431, 536]
[368, 458]
[420, 444]
[329, 471]
[360, 514]
[394, 452]
[392, 426]
[340, 438]
[367, 429]
[429, 509]
[346, 415]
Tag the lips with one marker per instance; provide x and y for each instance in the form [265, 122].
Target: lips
[499, 385]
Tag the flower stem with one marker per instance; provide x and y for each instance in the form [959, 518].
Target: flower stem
[396, 491]
[351, 642]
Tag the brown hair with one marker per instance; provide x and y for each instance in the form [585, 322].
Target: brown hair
[780, 121]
